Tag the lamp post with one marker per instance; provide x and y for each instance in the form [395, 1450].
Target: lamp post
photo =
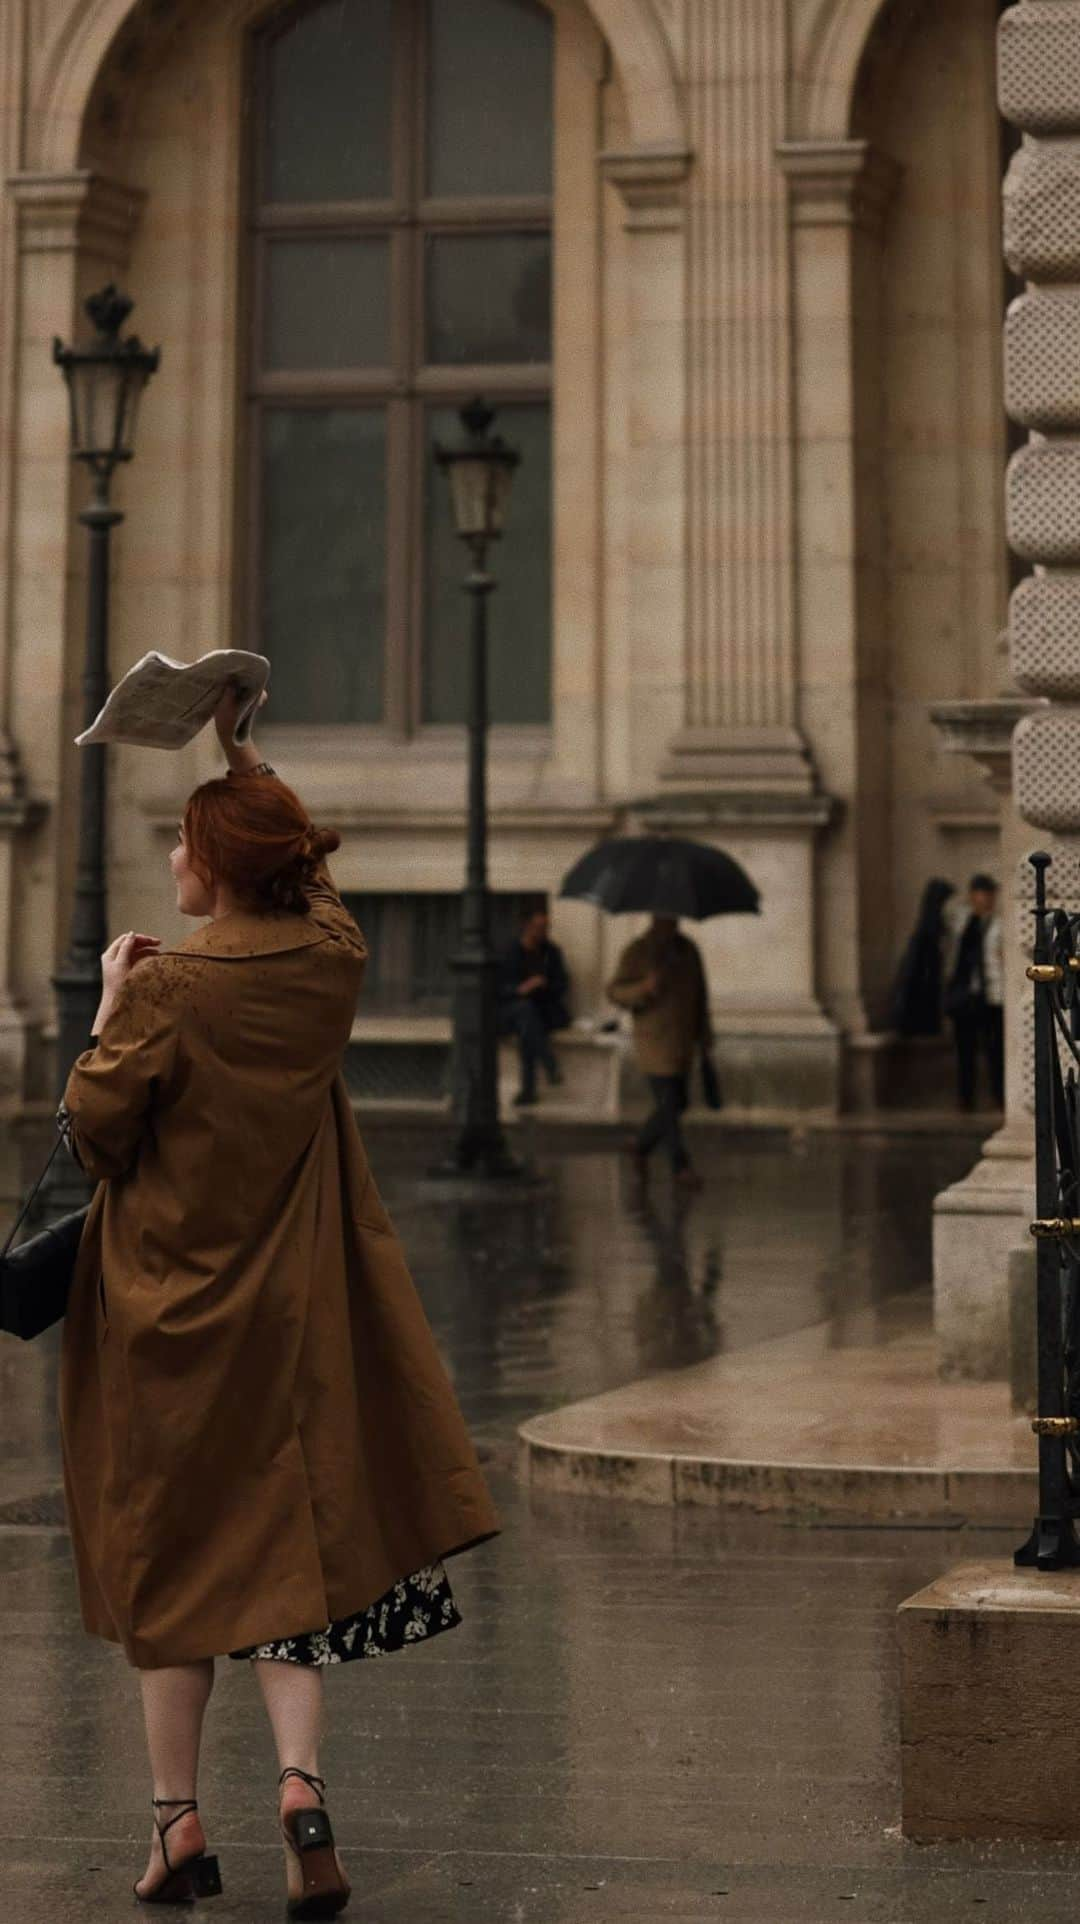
[105, 380]
[480, 472]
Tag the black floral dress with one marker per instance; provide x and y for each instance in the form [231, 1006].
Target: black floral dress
[416, 1608]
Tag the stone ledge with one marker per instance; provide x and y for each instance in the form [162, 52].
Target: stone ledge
[793, 1426]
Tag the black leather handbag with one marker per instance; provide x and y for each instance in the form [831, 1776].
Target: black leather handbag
[711, 1090]
[36, 1277]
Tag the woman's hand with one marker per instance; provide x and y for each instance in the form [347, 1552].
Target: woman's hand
[231, 704]
[119, 959]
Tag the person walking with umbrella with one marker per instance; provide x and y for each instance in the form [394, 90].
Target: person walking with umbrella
[661, 980]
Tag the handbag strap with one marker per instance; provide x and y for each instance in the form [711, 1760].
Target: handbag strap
[25, 1210]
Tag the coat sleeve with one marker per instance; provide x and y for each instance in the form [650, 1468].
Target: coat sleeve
[114, 1089]
[328, 909]
[705, 1027]
[627, 985]
[559, 979]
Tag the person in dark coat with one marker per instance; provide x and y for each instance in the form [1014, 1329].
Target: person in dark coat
[974, 973]
[534, 986]
[918, 991]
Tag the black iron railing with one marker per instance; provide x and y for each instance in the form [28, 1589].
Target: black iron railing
[1055, 971]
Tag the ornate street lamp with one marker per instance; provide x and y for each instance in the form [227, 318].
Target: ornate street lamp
[105, 380]
[480, 471]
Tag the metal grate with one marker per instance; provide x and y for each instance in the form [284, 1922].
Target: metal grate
[411, 939]
[397, 1071]
[45, 1511]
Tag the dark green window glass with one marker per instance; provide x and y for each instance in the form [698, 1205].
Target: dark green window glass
[328, 103]
[324, 561]
[489, 98]
[488, 298]
[519, 659]
[327, 304]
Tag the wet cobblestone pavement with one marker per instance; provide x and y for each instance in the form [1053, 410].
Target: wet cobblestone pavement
[647, 1714]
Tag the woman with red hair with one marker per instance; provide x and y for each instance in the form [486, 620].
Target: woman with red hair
[263, 1456]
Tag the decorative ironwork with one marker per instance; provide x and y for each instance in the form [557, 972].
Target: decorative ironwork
[1055, 971]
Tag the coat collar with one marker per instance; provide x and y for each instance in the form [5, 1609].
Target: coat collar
[244, 933]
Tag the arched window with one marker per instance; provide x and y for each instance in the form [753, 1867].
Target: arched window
[400, 247]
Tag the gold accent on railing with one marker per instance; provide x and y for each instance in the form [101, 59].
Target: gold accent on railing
[1074, 964]
[1045, 972]
[1055, 1425]
[1056, 1226]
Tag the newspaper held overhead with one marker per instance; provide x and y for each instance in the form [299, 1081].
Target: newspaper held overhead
[162, 703]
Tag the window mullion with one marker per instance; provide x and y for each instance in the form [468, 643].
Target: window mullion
[396, 678]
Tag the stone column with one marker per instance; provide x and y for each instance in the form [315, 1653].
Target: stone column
[740, 726]
[946, 1788]
[980, 1221]
[839, 193]
[736, 768]
[71, 232]
[651, 185]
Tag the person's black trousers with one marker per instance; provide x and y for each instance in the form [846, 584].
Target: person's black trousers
[670, 1097]
[979, 1028]
[525, 1020]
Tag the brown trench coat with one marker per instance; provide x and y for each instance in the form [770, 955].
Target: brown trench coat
[259, 1436]
[670, 1024]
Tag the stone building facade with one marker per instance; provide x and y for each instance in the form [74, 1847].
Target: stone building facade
[769, 383]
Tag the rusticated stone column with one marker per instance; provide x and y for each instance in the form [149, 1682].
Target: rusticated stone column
[978, 1221]
[1039, 82]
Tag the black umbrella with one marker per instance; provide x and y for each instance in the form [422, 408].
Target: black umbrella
[658, 875]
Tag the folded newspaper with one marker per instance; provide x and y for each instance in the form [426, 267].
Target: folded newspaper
[161, 703]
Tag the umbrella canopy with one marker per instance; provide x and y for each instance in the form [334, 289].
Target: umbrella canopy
[660, 875]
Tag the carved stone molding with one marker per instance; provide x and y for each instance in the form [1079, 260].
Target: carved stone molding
[984, 730]
[17, 810]
[651, 181]
[79, 212]
[838, 183]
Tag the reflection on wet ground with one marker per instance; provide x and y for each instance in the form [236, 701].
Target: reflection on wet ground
[591, 1283]
[648, 1714]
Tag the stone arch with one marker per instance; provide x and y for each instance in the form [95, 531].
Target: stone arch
[87, 30]
[828, 59]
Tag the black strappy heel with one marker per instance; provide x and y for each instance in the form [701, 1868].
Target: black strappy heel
[309, 1835]
[196, 1877]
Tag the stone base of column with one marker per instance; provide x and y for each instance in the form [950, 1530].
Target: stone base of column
[780, 1063]
[786, 1060]
[989, 1672]
[739, 761]
[776, 1048]
[977, 1224]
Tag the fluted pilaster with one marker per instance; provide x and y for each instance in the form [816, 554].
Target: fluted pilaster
[740, 707]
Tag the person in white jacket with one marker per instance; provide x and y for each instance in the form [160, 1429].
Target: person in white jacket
[975, 989]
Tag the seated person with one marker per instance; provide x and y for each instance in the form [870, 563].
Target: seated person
[533, 989]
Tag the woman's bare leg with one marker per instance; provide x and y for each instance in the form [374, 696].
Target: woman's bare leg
[293, 1695]
[174, 1703]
